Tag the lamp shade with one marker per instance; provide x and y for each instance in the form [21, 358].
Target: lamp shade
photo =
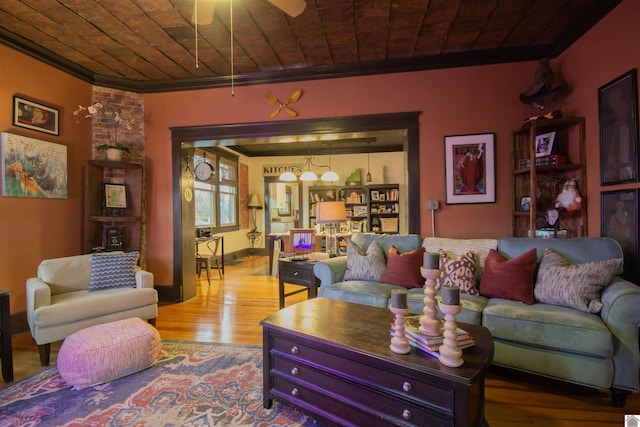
[254, 201]
[288, 176]
[329, 176]
[308, 176]
[330, 212]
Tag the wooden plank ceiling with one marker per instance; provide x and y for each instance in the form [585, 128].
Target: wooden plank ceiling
[150, 45]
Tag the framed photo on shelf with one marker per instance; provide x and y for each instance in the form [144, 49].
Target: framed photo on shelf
[525, 204]
[115, 196]
[359, 211]
[115, 239]
[470, 168]
[618, 116]
[544, 144]
[375, 195]
[619, 220]
[35, 116]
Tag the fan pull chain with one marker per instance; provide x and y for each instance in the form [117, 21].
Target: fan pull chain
[195, 14]
[233, 93]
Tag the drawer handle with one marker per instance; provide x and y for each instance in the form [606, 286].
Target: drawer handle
[406, 414]
[295, 392]
[406, 386]
[294, 371]
[295, 273]
[294, 349]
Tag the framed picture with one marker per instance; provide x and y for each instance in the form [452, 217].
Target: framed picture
[115, 196]
[33, 168]
[618, 115]
[375, 195]
[359, 211]
[32, 115]
[544, 144]
[114, 238]
[470, 168]
[619, 220]
[525, 204]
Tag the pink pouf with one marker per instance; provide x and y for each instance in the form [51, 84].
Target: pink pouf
[106, 352]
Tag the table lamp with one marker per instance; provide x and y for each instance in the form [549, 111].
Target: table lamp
[331, 213]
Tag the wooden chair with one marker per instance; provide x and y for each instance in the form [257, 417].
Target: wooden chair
[207, 255]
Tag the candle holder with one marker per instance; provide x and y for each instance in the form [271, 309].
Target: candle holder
[399, 342]
[429, 323]
[450, 353]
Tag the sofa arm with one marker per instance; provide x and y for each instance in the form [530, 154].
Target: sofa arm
[620, 313]
[144, 279]
[38, 295]
[330, 270]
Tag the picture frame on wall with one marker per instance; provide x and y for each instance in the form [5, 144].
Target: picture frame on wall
[35, 116]
[525, 204]
[619, 220]
[470, 168]
[618, 117]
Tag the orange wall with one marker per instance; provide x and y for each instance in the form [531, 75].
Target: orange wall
[34, 229]
[603, 54]
[456, 101]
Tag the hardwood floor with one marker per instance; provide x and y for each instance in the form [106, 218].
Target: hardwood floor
[229, 311]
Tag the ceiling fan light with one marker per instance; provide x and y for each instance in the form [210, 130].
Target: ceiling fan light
[329, 176]
[308, 176]
[292, 8]
[288, 176]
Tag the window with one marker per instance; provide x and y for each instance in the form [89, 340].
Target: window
[216, 199]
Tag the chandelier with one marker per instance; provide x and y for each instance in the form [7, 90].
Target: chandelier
[309, 175]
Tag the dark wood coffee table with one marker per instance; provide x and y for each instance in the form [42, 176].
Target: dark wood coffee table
[331, 360]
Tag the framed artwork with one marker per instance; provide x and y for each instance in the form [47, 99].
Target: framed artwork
[32, 115]
[375, 195]
[525, 204]
[544, 144]
[619, 220]
[115, 196]
[618, 116]
[359, 211]
[33, 168]
[470, 168]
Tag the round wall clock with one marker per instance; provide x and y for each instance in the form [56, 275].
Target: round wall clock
[203, 171]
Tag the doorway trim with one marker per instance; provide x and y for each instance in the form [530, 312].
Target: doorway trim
[224, 135]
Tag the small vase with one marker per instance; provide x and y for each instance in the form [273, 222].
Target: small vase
[114, 154]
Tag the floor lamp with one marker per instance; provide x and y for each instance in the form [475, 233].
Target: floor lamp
[331, 213]
[254, 235]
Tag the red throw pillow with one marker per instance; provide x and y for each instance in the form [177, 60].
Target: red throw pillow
[404, 269]
[512, 279]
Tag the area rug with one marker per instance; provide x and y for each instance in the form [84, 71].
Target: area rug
[191, 384]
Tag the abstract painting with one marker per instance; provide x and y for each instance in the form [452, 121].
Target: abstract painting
[33, 168]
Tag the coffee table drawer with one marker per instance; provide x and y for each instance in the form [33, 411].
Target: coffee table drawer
[433, 393]
[357, 403]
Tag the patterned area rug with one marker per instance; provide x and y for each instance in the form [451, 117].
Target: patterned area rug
[191, 384]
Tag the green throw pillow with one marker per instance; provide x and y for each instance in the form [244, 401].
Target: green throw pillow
[363, 265]
[560, 282]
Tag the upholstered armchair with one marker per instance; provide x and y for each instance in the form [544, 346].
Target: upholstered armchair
[77, 292]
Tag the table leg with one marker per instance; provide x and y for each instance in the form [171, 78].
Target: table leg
[6, 354]
[281, 292]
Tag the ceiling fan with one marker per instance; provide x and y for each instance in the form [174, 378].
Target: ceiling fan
[203, 9]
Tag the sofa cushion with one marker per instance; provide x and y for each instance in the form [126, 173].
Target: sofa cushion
[560, 282]
[106, 352]
[460, 272]
[371, 293]
[453, 247]
[109, 271]
[66, 274]
[509, 278]
[404, 243]
[363, 265]
[548, 326]
[403, 269]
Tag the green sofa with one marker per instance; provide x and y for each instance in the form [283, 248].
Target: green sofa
[594, 350]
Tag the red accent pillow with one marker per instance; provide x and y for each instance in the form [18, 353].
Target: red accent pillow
[404, 269]
[512, 279]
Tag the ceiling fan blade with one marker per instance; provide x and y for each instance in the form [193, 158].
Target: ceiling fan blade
[203, 11]
[292, 8]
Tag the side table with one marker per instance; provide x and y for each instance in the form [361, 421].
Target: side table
[6, 354]
[297, 272]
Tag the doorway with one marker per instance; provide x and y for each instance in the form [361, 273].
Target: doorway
[283, 205]
[225, 135]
